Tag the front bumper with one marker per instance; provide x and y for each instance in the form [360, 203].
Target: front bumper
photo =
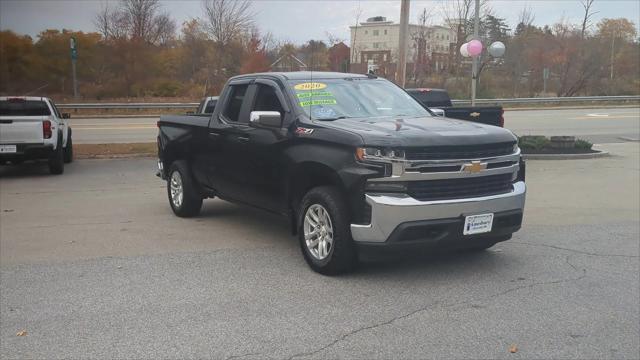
[393, 217]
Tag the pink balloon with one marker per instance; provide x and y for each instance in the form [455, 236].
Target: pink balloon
[474, 47]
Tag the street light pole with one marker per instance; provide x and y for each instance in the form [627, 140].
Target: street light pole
[475, 59]
[74, 57]
[402, 46]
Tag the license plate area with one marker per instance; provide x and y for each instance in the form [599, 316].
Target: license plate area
[8, 149]
[477, 224]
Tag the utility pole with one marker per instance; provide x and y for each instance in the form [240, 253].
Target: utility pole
[475, 59]
[402, 48]
[613, 44]
[74, 57]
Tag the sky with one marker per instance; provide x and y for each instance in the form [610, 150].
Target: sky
[301, 20]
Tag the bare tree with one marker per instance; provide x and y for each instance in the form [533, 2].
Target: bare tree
[165, 29]
[420, 40]
[136, 19]
[226, 19]
[582, 63]
[526, 16]
[458, 15]
[333, 39]
[586, 20]
[112, 23]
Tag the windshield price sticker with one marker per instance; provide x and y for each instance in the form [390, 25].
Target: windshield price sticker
[314, 94]
[310, 86]
[318, 102]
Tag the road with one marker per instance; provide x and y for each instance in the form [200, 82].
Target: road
[598, 125]
[93, 264]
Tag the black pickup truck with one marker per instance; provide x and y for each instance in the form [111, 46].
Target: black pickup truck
[439, 102]
[353, 161]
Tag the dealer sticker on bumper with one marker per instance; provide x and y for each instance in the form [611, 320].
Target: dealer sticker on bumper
[477, 224]
[7, 149]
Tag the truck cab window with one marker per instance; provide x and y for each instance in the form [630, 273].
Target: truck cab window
[234, 104]
[267, 100]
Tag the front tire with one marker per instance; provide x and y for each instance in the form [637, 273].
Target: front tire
[184, 198]
[324, 233]
[56, 160]
[68, 151]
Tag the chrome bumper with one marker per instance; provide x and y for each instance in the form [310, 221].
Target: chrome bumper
[388, 211]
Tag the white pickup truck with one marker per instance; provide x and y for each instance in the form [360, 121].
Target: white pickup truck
[32, 128]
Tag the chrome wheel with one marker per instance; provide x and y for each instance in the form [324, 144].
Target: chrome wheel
[177, 192]
[318, 231]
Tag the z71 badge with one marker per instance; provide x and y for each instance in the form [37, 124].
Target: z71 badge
[303, 131]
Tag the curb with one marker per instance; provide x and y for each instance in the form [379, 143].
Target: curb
[569, 107]
[116, 156]
[600, 154]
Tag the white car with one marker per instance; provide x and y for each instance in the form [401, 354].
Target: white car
[32, 128]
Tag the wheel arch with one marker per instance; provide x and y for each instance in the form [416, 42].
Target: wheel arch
[304, 177]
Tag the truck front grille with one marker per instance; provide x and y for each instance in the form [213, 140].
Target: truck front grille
[448, 189]
[460, 152]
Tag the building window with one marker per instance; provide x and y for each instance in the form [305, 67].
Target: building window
[447, 37]
[376, 32]
[366, 32]
[385, 32]
[376, 45]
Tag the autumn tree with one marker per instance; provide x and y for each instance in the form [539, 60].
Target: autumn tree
[316, 55]
[621, 28]
[17, 62]
[255, 58]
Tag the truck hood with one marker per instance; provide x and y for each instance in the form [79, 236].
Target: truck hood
[422, 131]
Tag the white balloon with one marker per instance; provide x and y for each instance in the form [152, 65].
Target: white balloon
[497, 49]
[464, 51]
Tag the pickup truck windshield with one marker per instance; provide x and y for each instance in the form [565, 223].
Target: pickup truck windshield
[332, 99]
[24, 108]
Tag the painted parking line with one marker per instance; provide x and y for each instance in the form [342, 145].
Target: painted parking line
[608, 117]
[114, 128]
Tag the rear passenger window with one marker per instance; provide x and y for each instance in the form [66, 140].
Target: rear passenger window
[234, 102]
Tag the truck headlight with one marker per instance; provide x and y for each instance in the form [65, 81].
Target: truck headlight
[379, 155]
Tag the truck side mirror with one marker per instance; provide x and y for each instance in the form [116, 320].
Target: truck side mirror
[437, 112]
[66, 115]
[272, 119]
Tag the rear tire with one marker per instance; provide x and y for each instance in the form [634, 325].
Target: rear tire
[324, 232]
[184, 197]
[56, 160]
[68, 150]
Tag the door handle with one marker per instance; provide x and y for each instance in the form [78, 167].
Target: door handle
[214, 135]
[243, 138]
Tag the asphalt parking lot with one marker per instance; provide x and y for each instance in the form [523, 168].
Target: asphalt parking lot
[94, 264]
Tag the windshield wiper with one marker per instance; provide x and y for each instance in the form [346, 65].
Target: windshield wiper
[331, 119]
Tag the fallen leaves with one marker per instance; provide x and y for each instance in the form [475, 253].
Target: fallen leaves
[21, 333]
[513, 349]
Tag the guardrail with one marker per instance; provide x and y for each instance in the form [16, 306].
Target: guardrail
[136, 106]
[545, 100]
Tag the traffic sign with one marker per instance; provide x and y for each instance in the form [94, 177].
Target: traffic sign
[73, 44]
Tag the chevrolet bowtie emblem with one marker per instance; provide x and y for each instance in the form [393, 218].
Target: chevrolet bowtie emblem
[474, 114]
[474, 167]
